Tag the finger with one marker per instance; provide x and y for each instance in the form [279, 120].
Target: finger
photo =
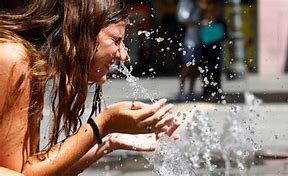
[146, 148]
[154, 119]
[135, 105]
[150, 110]
[162, 130]
[176, 136]
[172, 129]
[159, 135]
[167, 120]
[148, 143]
[167, 130]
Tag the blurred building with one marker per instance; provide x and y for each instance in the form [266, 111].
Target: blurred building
[272, 36]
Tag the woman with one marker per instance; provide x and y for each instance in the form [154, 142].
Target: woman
[212, 34]
[72, 43]
[189, 14]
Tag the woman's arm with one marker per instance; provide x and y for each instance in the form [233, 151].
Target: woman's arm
[118, 117]
[62, 156]
[116, 141]
[89, 158]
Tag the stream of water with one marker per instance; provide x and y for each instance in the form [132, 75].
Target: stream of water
[201, 145]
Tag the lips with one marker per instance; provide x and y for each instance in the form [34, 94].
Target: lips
[112, 61]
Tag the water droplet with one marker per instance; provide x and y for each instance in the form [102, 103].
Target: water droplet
[159, 39]
[276, 136]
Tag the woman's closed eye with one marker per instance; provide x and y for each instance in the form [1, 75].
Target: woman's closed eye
[118, 41]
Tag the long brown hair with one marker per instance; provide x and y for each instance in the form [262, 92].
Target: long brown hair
[27, 26]
[64, 37]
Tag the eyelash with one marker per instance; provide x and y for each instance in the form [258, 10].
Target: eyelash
[118, 41]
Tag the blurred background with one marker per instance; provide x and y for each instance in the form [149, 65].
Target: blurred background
[160, 19]
[262, 24]
[263, 28]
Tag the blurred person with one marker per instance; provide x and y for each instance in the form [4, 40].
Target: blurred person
[72, 43]
[212, 34]
[189, 15]
[165, 13]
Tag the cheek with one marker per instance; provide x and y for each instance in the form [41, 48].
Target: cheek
[105, 52]
[97, 73]
[97, 59]
[94, 66]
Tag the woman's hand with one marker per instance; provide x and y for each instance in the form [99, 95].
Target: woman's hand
[143, 142]
[133, 117]
[136, 142]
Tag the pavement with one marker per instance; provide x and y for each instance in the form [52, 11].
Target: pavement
[269, 119]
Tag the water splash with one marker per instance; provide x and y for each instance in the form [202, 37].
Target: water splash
[201, 142]
[251, 99]
[237, 150]
[167, 159]
[202, 146]
[237, 140]
[146, 33]
[137, 90]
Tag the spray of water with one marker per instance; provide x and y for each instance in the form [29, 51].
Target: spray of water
[200, 142]
[203, 139]
[137, 90]
[168, 159]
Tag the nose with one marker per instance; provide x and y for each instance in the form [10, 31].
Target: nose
[122, 52]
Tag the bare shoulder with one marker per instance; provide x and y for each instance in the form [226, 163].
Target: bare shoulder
[11, 53]
[13, 63]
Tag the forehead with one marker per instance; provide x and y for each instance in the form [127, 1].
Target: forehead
[115, 28]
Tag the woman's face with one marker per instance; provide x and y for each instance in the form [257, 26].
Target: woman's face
[110, 48]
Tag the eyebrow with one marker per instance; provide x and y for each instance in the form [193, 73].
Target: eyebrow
[120, 37]
[117, 37]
